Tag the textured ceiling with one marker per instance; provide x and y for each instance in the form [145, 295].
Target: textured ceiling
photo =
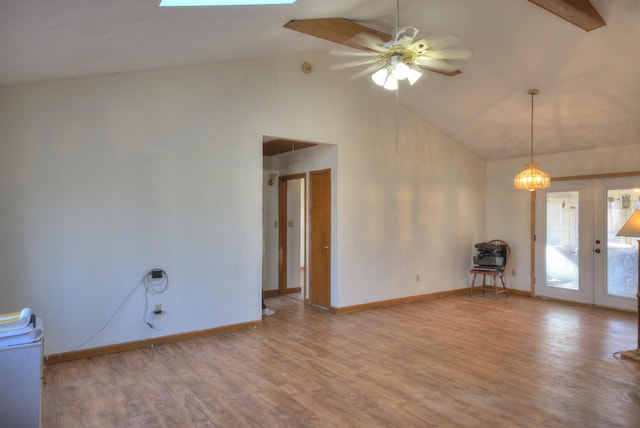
[589, 81]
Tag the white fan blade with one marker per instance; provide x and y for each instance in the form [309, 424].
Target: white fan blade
[436, 64]
[369, 41]
[461, 53]
[440, 42]
[353, 64]
[354, 53]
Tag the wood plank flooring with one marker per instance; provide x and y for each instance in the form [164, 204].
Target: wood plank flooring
[462, 361]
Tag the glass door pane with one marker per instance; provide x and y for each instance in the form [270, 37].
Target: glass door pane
[564, 257]
[616, 265]
[616, 268]
[563, 231]
[622, 252]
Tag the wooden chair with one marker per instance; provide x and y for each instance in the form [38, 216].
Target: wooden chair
[494, 276]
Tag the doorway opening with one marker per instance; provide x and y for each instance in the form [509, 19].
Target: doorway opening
[288, 221]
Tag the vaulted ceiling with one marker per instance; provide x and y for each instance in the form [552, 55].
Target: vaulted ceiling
[589, 81]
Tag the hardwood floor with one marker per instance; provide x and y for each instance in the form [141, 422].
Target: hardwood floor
[462, 361]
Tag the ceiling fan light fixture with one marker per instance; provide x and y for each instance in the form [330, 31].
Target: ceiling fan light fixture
[385, 78]
[393, 72]
[532, 178]
[380, 76]
[401, 71]
[389, 76]
[391, 84]
[413, 76]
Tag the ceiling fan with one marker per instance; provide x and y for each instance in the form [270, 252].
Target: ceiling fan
[390, 59]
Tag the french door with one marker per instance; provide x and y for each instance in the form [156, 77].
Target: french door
[578, 255]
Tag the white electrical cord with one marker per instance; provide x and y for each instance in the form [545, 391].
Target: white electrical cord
[150, 286]
[153, 286]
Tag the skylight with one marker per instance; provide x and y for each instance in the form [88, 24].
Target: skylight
[176, 3]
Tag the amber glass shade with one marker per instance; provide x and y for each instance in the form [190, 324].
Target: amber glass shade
[532, 179]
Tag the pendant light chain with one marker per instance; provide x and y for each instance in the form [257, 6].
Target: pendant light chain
[532, 92]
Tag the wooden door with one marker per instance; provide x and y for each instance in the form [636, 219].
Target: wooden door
[320, 238]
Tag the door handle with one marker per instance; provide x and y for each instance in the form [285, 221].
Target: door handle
[326, 247]
[597, 250]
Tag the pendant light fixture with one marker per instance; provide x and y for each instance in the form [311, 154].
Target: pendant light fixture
[532, 178]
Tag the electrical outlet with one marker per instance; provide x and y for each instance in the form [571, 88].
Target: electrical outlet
[417, 277]
[513, 272]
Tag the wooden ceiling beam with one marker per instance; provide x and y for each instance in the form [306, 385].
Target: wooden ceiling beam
[577, 12]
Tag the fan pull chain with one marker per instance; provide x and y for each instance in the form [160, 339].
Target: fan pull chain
[397, 124]
[397, 17]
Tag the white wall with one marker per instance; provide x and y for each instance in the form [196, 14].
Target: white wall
[102, 179]
[508, 210]
[409, 207]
